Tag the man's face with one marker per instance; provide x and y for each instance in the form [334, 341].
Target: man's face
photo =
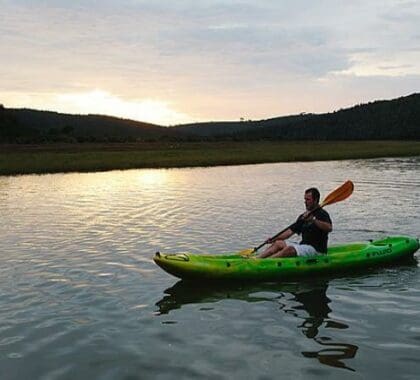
[309, 201]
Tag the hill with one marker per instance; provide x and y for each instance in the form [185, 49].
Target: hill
[26, 125]
[226, 129]
[397, 119]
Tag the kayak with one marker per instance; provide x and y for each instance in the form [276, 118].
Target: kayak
[342, 257]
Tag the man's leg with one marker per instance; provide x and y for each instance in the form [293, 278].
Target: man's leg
[277, 246]
[287, 251]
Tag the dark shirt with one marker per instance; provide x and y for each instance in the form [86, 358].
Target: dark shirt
[311, 234]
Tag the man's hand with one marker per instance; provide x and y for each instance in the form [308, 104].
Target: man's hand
[307, 216]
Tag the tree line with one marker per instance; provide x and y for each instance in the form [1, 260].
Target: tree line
[397, 119]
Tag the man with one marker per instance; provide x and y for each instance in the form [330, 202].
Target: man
[314, 226]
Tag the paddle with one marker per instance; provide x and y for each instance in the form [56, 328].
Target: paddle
[339, 194]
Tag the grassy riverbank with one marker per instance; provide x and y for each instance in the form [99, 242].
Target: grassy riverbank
[24, 159]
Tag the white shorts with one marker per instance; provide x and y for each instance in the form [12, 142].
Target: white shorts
[303, 249]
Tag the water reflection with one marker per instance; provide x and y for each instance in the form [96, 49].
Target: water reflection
[316, 303]
[309, 304]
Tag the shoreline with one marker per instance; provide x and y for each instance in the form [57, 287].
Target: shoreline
[64, 158]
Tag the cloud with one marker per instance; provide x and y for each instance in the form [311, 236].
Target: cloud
[201, 56]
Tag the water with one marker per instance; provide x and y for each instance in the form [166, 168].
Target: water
[80, 297]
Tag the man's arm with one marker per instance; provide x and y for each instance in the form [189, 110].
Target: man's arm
[324, 226]
[283, 236]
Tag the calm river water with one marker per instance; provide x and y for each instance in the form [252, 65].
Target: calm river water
[80, 297]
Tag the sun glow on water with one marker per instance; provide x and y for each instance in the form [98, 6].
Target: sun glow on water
[152, 177]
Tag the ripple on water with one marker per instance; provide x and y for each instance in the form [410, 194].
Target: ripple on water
[81, 297]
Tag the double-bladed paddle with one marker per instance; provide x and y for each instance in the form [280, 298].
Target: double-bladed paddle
[339, 194]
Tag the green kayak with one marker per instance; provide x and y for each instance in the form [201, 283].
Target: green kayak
[339, 258]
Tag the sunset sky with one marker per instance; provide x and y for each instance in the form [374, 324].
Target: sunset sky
[170, 62]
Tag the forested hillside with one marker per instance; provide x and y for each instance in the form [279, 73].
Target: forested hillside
[397, 119]
[31, 126]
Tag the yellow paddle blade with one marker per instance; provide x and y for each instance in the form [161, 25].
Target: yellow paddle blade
[246, 252]
[339, 194]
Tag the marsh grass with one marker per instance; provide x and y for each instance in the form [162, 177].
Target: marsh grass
[18, 159]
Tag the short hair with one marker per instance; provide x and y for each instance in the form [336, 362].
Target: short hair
[315, 193]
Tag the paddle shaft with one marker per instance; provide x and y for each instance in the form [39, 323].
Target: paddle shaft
[284, 230]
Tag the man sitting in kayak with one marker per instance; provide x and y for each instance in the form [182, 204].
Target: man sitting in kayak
[314, 226]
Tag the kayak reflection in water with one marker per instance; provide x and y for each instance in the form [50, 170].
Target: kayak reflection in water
[314, 226]
[308, 303]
